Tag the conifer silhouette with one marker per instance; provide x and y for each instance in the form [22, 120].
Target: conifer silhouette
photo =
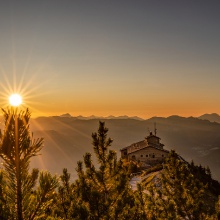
[17, 147]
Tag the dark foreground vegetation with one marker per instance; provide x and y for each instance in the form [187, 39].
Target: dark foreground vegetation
[177, 190]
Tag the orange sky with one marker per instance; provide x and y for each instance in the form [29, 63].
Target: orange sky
[148, 58]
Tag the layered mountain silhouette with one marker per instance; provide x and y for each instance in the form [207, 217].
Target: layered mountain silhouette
[67, 139]
[98, 117]
[211, 117]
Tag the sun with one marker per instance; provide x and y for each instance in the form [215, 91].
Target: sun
[15, 99]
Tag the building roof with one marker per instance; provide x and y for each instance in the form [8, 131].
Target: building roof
[150, 146]
[148, 142]
[142, 145]
[137, 143]
[152, 135]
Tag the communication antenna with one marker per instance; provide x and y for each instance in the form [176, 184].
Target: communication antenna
[155, 129]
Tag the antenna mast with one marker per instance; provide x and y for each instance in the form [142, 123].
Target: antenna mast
[155, 129]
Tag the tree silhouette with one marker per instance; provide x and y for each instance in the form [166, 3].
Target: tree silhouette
[103, 191]
[17, 147]
[180, 195]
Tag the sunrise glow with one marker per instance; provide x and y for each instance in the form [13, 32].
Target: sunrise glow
[15, 99]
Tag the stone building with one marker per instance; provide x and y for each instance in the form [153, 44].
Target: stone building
[148, 151]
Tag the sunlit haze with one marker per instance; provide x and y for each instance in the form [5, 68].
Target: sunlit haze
[135, 58]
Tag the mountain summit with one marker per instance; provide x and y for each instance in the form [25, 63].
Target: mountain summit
[67, 115]
[214, 117]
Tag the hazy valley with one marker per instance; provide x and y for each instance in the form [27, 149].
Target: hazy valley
[68, 138]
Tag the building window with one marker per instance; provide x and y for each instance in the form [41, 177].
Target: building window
[141, 155]
[153, 156]
[133, 157]
[146, 155]
[162, 155]
[125, 153]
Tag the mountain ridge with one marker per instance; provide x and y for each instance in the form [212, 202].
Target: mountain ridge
[213, 117]
[68, 139]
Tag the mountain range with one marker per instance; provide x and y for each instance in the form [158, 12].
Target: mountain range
[213, 117]
[67, 138]
[100, 117]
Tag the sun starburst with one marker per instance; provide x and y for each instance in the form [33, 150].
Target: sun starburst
[15, 99]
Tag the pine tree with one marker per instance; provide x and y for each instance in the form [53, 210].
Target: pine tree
[17, 147]
[65, 196]
[180, 196]
[141, 211]
[4, 207]
[216, 215]
[103, 192]
[218, 208]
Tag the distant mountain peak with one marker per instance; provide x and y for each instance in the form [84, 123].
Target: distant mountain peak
[67, 115]
[175, 117]
[212, 117]
[210, 114]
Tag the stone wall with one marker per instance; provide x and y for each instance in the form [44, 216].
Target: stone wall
[149, 155]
